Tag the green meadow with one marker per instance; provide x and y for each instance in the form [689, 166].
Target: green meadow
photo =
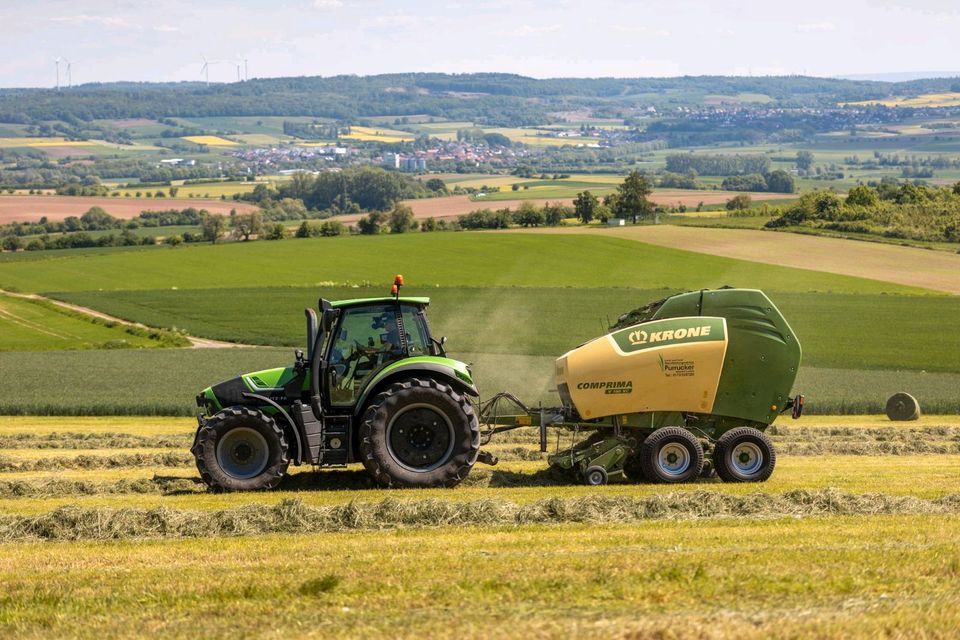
[509, 303]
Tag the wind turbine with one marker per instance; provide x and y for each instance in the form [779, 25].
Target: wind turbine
[57, 63]
[246, 71]
[237, 65]
[205, 69]
[69, 76]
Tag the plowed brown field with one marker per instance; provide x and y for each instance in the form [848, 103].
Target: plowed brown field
[32, 208]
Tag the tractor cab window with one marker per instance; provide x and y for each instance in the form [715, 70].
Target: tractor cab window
[367, 339]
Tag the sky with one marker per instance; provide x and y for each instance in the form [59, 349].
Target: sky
[166, 40]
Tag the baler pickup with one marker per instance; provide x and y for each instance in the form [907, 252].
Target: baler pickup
[679, 388]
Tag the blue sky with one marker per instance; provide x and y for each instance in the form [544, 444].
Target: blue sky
[164, 40]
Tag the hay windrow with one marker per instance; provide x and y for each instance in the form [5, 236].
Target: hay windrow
[76, 440]
[116, 461]
[59, 487]
[293, 516]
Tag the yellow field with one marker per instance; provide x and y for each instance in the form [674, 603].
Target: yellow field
[535, 137]
[203, 190]
[212, 141]
[951, 99]
[378, 134]
[260, 138]
[8, 143]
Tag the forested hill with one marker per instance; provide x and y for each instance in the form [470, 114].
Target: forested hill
[492, 98]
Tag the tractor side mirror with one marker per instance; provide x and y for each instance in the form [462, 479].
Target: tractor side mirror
[329, 317]
[443, 340]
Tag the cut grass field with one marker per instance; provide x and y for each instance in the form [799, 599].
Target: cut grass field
[832, 545]
[897, 578]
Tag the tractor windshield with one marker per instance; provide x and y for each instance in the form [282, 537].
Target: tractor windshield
[367, 339]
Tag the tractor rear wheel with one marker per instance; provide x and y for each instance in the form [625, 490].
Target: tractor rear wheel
[241, 449]
[419, 433]
[744, 454]
[671, 455]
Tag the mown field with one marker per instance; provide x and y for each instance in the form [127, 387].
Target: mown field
[854, 536]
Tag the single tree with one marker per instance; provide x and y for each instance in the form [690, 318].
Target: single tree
[585, 205]
[632, 195]
[246, 224]
[214, 226]
[401, 219]
[804, 160]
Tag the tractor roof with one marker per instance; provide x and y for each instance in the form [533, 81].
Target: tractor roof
[340, 304]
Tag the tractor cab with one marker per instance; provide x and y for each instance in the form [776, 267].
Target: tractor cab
[371, 334]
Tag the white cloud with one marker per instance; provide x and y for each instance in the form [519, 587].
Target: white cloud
[328, 4]
[529, 29]
[166, 28]
[643, 30]
[108, 21]
[816, 26]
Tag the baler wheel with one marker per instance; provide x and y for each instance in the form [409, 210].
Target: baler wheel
[595, 476]
[671, 455]
[744, 454]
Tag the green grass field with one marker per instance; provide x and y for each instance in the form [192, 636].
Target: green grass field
[32, 325]
[549, 321]
[509, 303]
[470, 259]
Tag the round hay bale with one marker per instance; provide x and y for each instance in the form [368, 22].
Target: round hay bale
[903, 406]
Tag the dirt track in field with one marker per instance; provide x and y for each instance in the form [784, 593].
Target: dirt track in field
[32, 208]
[195, 342]
[937, 270]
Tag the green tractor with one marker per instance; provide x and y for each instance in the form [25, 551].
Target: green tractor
[374, 387]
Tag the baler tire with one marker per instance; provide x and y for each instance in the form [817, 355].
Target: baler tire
[651, 459]
[377, 441]
[903, 407]
[595, 476]
[214, 459]
[751, 442]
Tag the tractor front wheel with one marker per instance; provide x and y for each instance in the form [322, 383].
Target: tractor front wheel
[744, 454]
[241, 449]
[419, 433]
[671, 455]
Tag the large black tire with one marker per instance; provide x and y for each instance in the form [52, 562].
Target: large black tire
[744, 454]
[241, 449]
[671, 455]
[419, 433]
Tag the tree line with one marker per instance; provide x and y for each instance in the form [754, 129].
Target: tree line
[718, 164]
[888, 209]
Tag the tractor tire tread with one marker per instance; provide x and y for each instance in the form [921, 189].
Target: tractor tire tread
[208, 433]
[368, 451]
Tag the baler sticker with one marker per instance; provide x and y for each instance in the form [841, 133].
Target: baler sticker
[672, 331]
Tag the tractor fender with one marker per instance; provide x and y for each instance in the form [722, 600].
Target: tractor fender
[298, 454]
[442, 372]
